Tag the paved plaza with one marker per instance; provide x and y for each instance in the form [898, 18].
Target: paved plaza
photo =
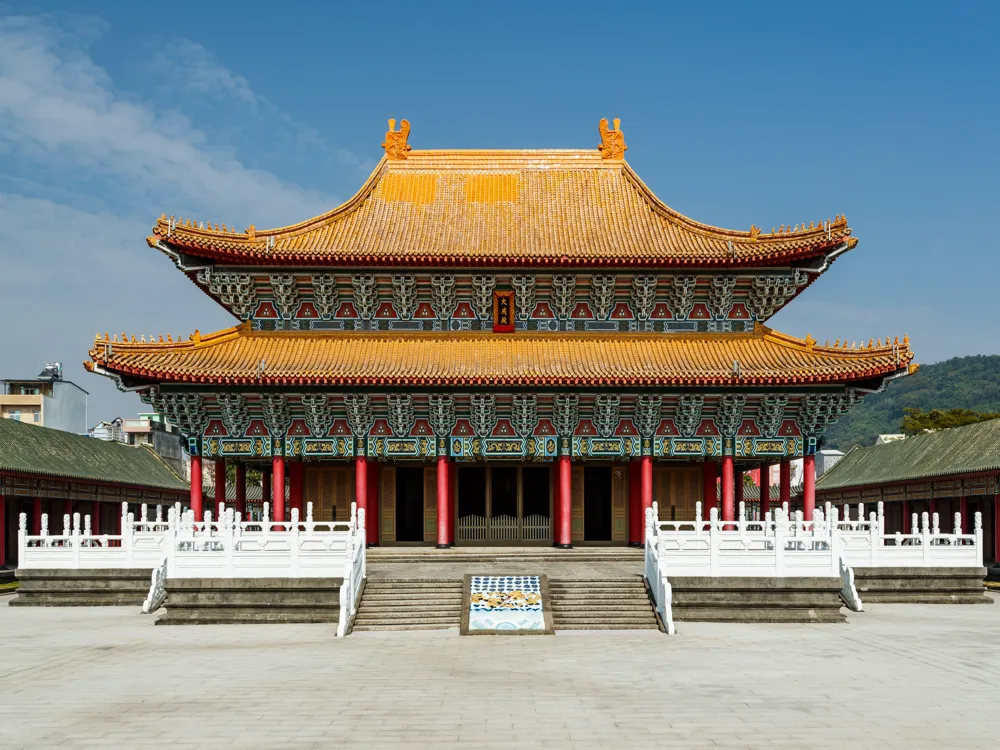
[897, 676]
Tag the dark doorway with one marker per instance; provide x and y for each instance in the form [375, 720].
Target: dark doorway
[597, 504]
[535, 492]
[503, 491]
[472, 491]
[409, 504]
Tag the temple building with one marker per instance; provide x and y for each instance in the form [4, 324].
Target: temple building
[486, 347]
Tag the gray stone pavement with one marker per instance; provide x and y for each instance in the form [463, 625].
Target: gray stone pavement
[914, 676]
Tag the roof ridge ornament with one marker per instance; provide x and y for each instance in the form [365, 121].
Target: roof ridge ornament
[612, 141]
[395, 144]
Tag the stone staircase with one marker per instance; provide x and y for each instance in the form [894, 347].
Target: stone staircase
[410, 604]
[601, 604]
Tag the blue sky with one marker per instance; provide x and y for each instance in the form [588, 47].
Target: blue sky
[735, 114]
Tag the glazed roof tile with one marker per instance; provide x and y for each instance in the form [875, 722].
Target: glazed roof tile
[242, 356]
[482, 208]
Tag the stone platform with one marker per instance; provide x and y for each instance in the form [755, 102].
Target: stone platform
[81, 588]
[921, 585]
[216, 601]
[738, 599]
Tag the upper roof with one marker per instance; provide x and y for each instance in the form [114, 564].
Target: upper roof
[241, 355]
[556, 208]
[959, 450]
[30, 449]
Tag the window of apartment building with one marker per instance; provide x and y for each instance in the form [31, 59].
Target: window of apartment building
[29, 391]
[14, 414]
[36, 415]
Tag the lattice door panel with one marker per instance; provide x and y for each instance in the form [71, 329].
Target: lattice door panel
[430, 504]
[576, 497]
[387, 492]
[619, 504]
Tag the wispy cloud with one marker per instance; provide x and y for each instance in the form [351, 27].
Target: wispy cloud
[87, 167]
[60, 109]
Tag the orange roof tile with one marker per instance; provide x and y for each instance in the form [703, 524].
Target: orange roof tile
[242, 356]
[479, 208]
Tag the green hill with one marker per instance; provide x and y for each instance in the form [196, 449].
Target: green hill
[963, 382]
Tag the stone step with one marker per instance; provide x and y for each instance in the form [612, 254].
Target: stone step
[411, 606]
[388, 628]
[443, 620]
[606, 626]
[260, 599]
[78, 599]
[757, 614]
[248, 615]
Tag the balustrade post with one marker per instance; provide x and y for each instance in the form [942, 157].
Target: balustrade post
[925, 536]
[22, 539]
[780, 518]
[714, 538]
[293, 541]
[76, 541]
[874, 539]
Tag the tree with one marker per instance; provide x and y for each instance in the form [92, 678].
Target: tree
[917, 421]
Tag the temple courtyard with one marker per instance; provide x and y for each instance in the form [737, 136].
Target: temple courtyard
[894, 676]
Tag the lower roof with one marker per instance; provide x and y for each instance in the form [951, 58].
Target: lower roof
[36, 450]
[241, 356]
[959, 450]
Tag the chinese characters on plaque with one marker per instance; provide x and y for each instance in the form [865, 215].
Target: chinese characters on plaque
[503, 312]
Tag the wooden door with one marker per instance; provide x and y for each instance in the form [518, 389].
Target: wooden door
[576, 496]
[331, 491]
[387, 492]
[619, 504]
[676, 491]
[430, 504]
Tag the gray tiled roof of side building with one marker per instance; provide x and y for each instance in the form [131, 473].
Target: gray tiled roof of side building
[959, 450]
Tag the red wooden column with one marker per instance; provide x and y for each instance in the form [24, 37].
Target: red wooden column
[765, 490]
[906, 516]
[278, 486]
[372, 507]
[996, 528]
[963, 509]
[220, 484]
[443, 502]
[646, 487]
[95, 518]
[295, 476]
[636, 517]
[564, 501]
[196, 487]
[710, 487]
[785, 482]
[36, 515]
[728, 486]
[3, 530]
[361, 484]
[241, 490]
[808, 486]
